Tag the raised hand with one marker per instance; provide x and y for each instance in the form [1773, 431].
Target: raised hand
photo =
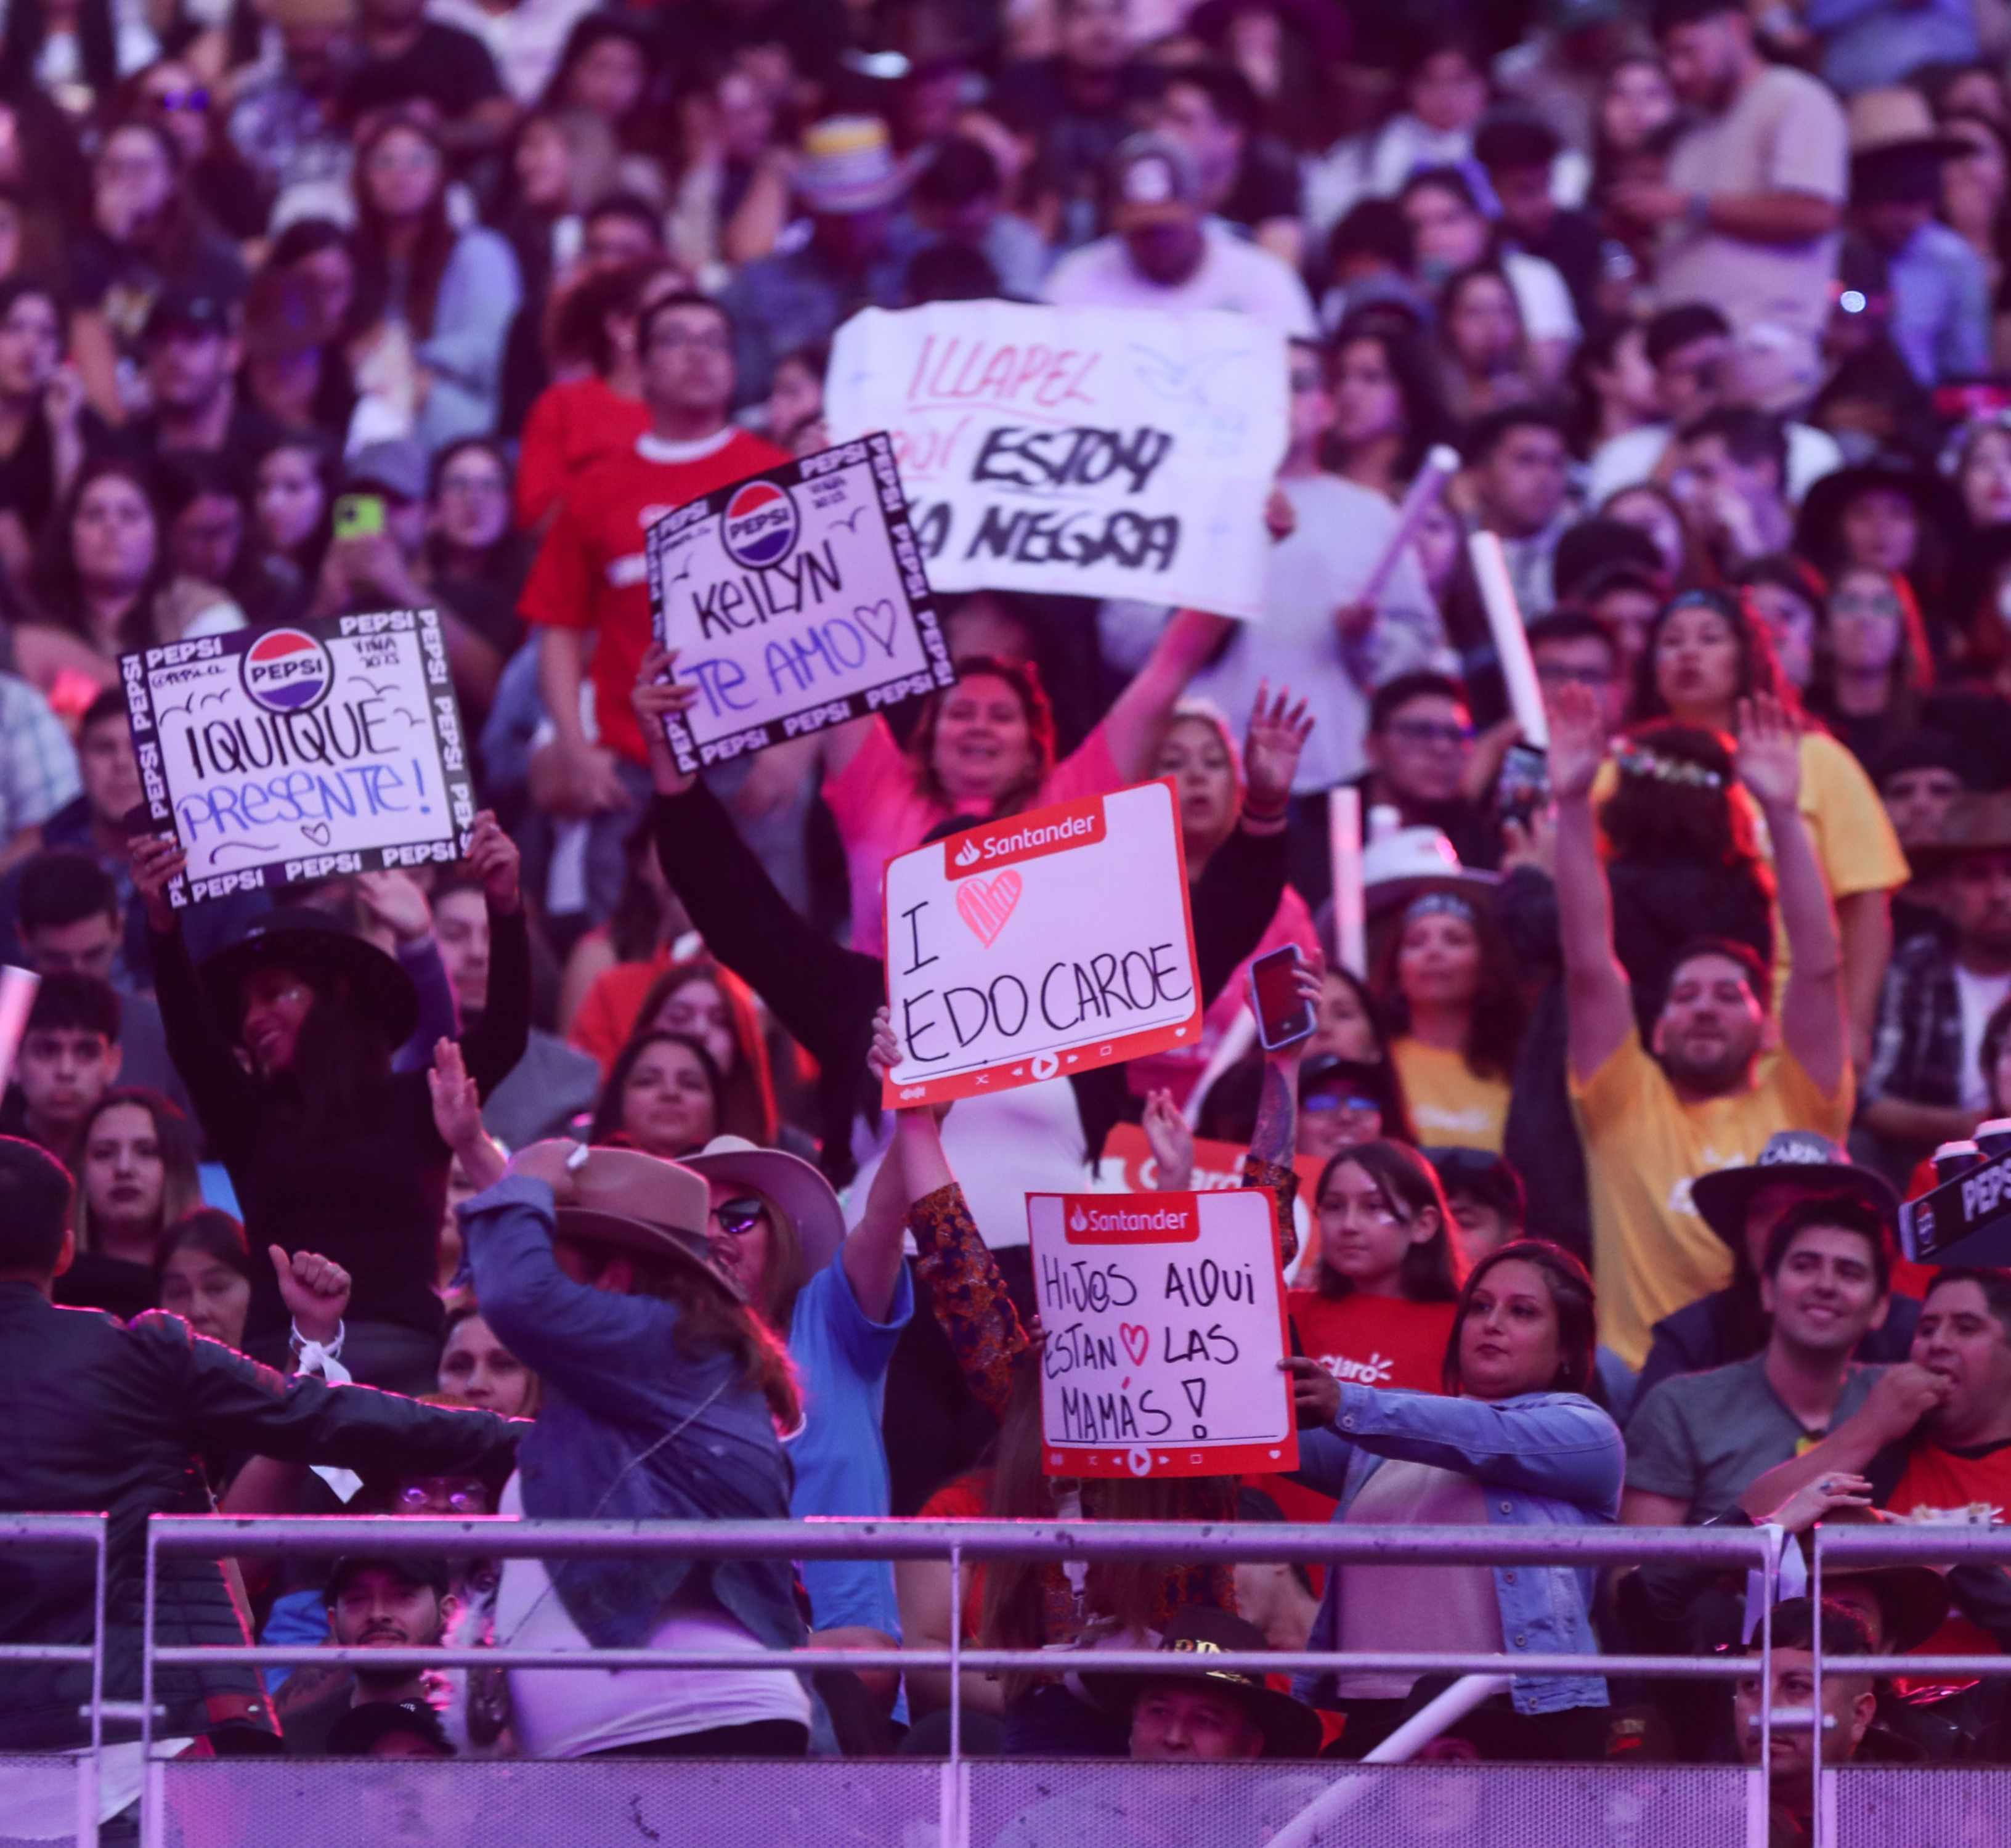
[393, 900]
[656, 696]
[493, 859]
[1277, 734]
[156, 863]
[1577, 742]
[315, 1291]
[456, 1103]
[1769, 752]
[1172, 1144]
[884, 1054]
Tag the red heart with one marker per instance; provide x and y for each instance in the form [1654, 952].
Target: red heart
[1138, 1342]
[985, 904]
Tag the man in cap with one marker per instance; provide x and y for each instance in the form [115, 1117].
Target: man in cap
[398, 1603]
[1926, 1083]
[1192, 1713]
[855, 256]
[116, 1417]
[1163, 253]
[1940, 316]
[389, 1728]
[191, 347]
[1749, 213]
[1698, 1094]
[1247, 178]
[1743, 1206]
[1695, 1440]
[1918, 776]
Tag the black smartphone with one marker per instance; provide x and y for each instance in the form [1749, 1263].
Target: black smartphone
[1284, 1016]
[1523, 785]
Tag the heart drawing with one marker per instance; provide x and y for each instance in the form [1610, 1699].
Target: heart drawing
[317, 832]
[1138, 1342]
[985, 904]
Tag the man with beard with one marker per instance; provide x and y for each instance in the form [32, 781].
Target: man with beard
[1926, 1083]
[1699, 1095]
[1848, 1704]
[388, 1603]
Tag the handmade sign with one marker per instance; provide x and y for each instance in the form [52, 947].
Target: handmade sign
[796, 599]
[1041, 945]
[301, 752]
[1165, 1315]
[1093, 452]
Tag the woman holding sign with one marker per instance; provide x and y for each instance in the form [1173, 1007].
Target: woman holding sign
[1515, 1443]
[985, 747]
[284, 1042]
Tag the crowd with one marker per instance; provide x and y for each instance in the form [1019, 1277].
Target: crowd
[310, 307]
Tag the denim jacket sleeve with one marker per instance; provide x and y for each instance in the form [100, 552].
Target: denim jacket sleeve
[605, 1352]
[1557, 1444]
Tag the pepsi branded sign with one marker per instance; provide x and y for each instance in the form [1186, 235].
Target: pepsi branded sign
[301, 752]
[795, 600]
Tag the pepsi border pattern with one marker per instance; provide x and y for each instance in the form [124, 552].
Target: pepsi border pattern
[877, 451]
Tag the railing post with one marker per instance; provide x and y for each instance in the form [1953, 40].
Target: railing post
[150, 1780]
[953, 1807]
[1818, 1821]
[92, 1794]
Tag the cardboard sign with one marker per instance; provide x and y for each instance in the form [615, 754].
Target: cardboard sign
[1165, 1315]
[301, 752]
[797, 600]
[1217, 1166]
[1040, 945]
[1092, 452]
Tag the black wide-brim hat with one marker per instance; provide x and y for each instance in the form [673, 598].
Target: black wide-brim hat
[1819, 528]
[1290, 1727]
[315, 946]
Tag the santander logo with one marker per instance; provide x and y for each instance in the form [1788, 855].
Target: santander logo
[1024, 837]
[967, 855]
[1131, 1218]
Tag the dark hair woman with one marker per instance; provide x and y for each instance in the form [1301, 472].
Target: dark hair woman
[1872, 671]
[1388, 408]
[103, 567]
[284, 1042]
[1787, 594]
[202, 1272]
[663, 1096]
[136, 1172]
[1515, 1442]
[1707, 652]
[292, 501]
[1450, 986]
[1483, 347]
[609, 69]
[985, 747]
[430, 301]
[705, 1000]
[1384, 1270]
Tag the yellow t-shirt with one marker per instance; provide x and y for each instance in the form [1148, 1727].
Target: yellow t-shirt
[1449, 1107]
[1652, 1252]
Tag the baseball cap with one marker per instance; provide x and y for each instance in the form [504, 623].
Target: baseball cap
[421, 1569]
[178, 309]
[1152, 180]
[359, 1730]
[396, 467]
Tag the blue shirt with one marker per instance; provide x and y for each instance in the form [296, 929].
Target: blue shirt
[840, 1458]
[1940, 306]
[1869, 42]
[1543, 1460]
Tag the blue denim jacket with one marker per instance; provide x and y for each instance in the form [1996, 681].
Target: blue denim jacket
[1544, 1460]
[631, 1429]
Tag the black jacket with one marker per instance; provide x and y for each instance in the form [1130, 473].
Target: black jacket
[103, 1417]
[826, 996]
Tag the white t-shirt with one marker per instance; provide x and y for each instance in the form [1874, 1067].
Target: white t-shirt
[1628, 460]
[1233, 274]
[1540, 294]
[1980, 996]
[567, 1713]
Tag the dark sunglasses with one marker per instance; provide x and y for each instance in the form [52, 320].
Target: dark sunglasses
[195, 102]
[736, 1218]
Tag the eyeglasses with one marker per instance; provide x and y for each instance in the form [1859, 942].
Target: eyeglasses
[461, 1501]
[1321, 1101]
[485, 487]
[195, 102]
[738, 1218]
[1426, 731]
[1555, 675]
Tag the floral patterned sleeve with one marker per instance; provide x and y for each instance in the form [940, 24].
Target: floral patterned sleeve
[1283, 1182]
[971, 1300]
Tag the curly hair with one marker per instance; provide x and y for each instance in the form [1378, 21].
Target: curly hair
[1655, 818]
[1498, 1013]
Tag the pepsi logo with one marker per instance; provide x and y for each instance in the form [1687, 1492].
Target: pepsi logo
[287, 670]
[759, 526]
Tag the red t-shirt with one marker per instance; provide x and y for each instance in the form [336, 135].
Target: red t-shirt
[572, 425]
[590, 572]
[1954, 1488]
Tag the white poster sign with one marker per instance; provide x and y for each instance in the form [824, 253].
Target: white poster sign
[301, 752]
[1041, 945]
[1165, 1315]
[1094, 452]
[796, 599]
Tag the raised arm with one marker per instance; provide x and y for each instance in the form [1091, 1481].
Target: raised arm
[1132, 727]
[494, 1043]
[1599, 1010]
[1813, 1026]
[1275, 1139]
[224, 1094]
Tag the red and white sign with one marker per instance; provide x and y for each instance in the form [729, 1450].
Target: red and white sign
[1217, 1166]
[1165, 1315]
[1041, 945]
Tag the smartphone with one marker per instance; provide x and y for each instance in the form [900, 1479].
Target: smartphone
[1284, 1016]
[1524, 785]
[358, 516]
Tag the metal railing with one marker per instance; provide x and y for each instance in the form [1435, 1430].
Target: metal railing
[957, 1542]
[69, 1534]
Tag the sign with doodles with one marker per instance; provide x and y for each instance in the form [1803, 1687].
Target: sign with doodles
[795, 600]
[1165, 1315]
[1091, 452]
[1040, 945]
[301, 752]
